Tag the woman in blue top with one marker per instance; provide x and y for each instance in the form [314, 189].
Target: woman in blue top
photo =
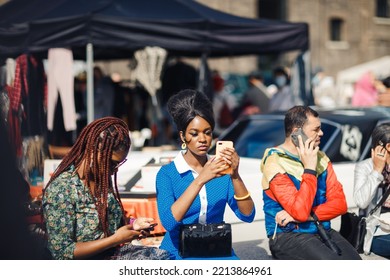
[192, 189]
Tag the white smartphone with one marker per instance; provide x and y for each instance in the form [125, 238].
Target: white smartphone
[220, 146]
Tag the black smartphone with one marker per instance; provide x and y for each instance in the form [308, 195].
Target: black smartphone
[294, 136]
[151, 227]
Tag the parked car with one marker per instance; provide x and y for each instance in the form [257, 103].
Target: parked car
[346, 132]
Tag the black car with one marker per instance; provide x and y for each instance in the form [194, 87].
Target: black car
[347, 132]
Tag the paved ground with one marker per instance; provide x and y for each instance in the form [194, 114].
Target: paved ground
[253, 250]
[247, 250]
[259, 250]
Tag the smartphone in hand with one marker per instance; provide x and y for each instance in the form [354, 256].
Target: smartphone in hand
[151, 227]
[294, 136]
[220, 146]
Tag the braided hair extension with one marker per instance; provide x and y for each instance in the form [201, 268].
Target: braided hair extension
[95, 146]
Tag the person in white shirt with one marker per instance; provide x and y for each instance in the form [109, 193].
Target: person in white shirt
[371, 180]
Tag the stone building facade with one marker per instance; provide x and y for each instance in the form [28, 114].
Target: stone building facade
[343, 33]
[362, 36]
[243, 8]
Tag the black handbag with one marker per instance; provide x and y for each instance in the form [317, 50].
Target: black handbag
[353, 229]
[205, 240]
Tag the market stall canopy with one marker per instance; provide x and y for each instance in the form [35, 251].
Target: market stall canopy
[110, 29]
[116, 28]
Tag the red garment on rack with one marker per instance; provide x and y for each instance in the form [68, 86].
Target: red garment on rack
[16, 94]
[20, 86]
[26, 116]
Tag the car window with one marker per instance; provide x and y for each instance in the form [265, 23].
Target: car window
[347, 140]
[252, 136]
[259, 135]
[330, 141]
[353, 142]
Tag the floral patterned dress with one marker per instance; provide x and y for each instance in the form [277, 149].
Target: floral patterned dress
[71, 216]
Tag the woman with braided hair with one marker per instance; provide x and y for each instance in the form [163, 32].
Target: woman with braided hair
[82, 210]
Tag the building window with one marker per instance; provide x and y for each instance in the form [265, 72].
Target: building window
[382, 8]
[272, 9]
[336, 25]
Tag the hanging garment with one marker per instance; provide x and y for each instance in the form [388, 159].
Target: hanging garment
[10, 68]
[34, 119]
[20, 85]
[7, 73]
[26, 115]
[15, 92]
[60, 81]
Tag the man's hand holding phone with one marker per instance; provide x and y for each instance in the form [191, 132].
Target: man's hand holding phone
[308, 153]
[295, 138]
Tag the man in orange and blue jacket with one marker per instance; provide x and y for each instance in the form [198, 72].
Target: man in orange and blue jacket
[301, 194]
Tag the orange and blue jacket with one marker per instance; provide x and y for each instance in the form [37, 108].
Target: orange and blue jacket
[287, 185]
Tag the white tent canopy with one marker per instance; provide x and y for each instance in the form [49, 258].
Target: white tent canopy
[380, 67]
[347, 78]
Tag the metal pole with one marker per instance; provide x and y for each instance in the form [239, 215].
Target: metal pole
[90, 102]
[202, 72]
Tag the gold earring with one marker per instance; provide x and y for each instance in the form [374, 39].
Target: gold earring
[183, 146]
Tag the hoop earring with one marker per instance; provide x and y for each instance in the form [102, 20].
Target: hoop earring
[183, 146]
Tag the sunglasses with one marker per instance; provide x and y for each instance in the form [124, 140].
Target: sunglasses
[116, 164]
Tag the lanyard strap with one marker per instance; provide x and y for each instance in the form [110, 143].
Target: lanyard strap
[384, 197]
[322, 232]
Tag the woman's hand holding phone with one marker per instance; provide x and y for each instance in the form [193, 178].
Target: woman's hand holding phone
[378, 156]
[144, 224]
